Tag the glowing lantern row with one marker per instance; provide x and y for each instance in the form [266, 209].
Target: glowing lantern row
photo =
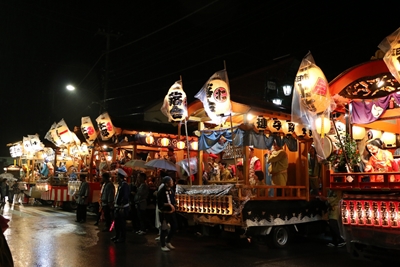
[105, 126]
[312, 87]
[389, 139]
[149, 139]
[358, 132]
[215, 96]
[175, 104]
[180, 145]
[88, 130]
[165, 141]
[194, 145]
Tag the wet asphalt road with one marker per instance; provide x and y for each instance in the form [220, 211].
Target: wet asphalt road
[42, 236]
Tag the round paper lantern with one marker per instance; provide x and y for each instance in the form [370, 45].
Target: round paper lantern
[180, 145]
[105, 126]
[194, 145]
[288, 127]
[358, 132]
[389, 139]
[274, 125]
[372, 134]
[312, 87]
[175, 105]
[165, 141]
[149, 139]
[300, 130]
[322, 125]
[261, 123]
[218, 96]
[88, 129]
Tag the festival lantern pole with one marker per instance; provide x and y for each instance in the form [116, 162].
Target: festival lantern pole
[175, 109]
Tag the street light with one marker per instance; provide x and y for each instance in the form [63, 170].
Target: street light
[71, 88]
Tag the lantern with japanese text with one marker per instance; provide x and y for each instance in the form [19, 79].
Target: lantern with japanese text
[88, 130]
[215, 96]
[105, 126]
[288, 127]
[52, 136]
[300, 130]
[16, 150]
[63, 132]
[35, 143]
[274, 125]
[312, 87]
[175, 105]
[261, 123]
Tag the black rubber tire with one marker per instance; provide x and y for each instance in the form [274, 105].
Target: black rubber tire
[279, 237]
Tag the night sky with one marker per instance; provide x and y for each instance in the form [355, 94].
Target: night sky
[45, 45]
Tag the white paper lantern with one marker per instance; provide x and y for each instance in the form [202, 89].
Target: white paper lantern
[274, 125]
[358, 132]
[105, 126]
[180, 145]
[175, 105]
[312, 87]
[322, 125]
[149, 139]
[372, 134]
[63, 132]
[88, 130]
[165, 141]
[194, 145]
[288, 127]
[389, 139]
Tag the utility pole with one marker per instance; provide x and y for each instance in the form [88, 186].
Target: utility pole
[108, 35]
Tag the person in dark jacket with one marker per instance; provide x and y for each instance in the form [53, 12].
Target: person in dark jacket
[166, 207]
[140, 200]
[82, 199]
[107, 200]
[121, 205]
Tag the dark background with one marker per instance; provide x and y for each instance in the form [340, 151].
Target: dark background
[45, 45]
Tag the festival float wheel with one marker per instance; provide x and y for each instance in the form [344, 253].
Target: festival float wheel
[279, 237]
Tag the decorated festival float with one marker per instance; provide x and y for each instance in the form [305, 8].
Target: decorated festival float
[49, 171]
[368, 95]
[227, 131]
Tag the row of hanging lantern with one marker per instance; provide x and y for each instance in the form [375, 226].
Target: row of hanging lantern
[165, 141]
[287, 127]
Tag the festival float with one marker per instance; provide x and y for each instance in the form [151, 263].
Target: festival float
[369, 96]
[227, 130]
